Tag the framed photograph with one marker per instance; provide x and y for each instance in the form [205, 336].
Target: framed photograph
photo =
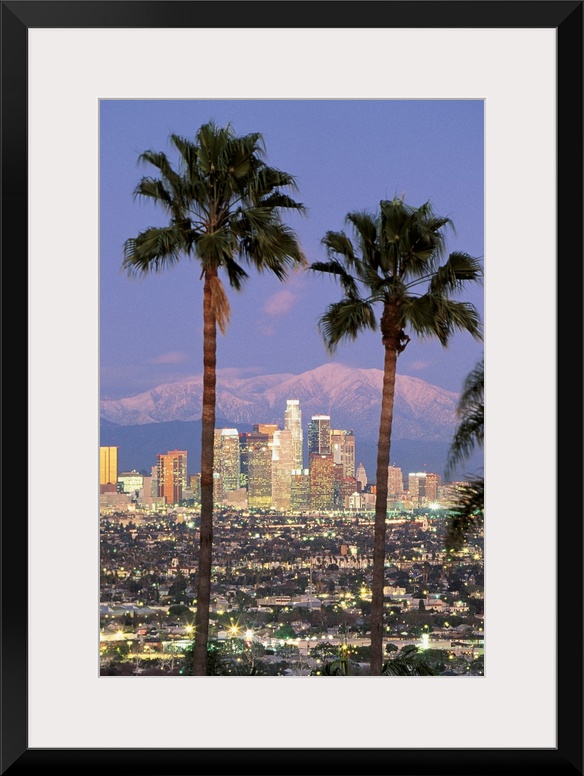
[62, 61]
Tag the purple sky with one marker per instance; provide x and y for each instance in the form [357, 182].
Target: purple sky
[346, 155]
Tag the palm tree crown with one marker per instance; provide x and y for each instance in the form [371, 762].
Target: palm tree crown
[393, 263]
[394, 254]
[223, 202]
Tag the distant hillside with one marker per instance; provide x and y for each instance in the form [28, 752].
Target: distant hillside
[350, 396]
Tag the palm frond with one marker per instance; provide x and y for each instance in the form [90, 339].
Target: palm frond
[409, 661]
[467, 516]
[153, 250]
[434, 316]
[470, 410]
[468, 436]
[459, 269]
[338, 244]
[274, 249]
[345, 320]
[335, 267]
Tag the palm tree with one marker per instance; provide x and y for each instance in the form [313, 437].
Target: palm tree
[409, 661]
[394, 264]
[223, 203]
[468, 513]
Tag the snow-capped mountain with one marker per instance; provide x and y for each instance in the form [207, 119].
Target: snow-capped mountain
[350, 396]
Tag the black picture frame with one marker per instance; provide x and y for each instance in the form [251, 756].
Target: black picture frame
[566, 17]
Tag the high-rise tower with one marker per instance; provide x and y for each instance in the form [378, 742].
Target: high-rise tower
[227, 463]
[108, 466]
[171, 473]
[319, 435]
[293, 423]
[282, 466]
[395, 481]
[361, 476]
[343, 450]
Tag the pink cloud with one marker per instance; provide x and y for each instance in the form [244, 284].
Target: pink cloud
[280, 303]
[418, 366]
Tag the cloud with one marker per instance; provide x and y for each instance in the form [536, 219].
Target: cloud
[280, 303]
[169, 358]
[419, 366]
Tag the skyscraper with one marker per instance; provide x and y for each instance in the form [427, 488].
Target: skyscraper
[433, 484]
[171, 473]
[108, 466]
[282, 466]
[293, 423]
[300, 489]
[227, 458]
[417, 488]
[395, 481]
[343, 450]
[319, 435]
[322, 482]
[361, 476]
[256, 467]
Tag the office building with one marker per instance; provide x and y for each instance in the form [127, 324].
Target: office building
[108, 466]
[172, 475]
[319, 435]
[282, 466]
[293, 423]
[322, 482]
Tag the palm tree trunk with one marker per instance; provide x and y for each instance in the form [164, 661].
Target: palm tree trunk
[390, 342]
[207, 442]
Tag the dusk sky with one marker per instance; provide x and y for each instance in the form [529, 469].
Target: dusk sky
[345, 155]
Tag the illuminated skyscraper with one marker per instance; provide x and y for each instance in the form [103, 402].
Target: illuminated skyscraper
[293, 423]
[300, 489]
[395, 481]
[433, 483]
[319, 435]
[417, 488]
[282, 466]
[256, 467]
[227, 458]
[343, 450]
[172, 475]
[322, 482]
[108, 466]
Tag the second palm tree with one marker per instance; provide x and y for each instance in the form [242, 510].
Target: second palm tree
[394, 263]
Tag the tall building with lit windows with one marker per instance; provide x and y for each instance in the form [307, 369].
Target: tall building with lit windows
[226, 458]
[282, 466]
[433, 485]
[342, 446]
[395, 481]
[256, 467]
[322, 482]
[293, 423]
[171, 471]
[300, 489]
[108, 466]
[319, 435]
[417, 488]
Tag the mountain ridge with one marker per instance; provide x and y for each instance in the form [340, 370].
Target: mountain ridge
[351, 396]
